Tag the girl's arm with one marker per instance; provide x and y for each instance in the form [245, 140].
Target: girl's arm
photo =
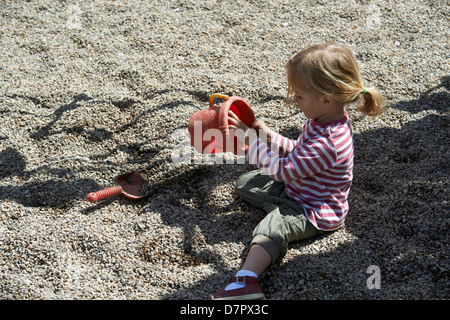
[269, 137]
[309, 159]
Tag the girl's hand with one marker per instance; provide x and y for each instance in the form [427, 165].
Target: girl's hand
[263, 131]
[259, 126]
[244, 134]
[236, 122]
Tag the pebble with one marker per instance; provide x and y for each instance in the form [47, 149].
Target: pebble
[89, 96]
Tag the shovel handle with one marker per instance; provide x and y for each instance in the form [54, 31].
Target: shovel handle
[105, 193]
[217, 95]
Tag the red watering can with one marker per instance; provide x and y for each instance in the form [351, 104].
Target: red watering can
[204, 126]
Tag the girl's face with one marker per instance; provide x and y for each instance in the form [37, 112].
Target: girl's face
[321, 108]
[308, 103]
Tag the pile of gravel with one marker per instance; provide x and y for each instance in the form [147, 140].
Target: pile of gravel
[97, 88]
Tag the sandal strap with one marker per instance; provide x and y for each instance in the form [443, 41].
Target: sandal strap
[243, 279]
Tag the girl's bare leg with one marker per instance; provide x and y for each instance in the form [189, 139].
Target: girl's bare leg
[258, 259]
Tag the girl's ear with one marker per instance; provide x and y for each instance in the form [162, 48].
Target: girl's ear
[326, 99]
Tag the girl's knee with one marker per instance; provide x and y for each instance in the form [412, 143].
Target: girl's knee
[239, 185]
[244, 181]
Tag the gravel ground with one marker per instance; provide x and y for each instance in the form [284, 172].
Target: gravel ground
[92, 89]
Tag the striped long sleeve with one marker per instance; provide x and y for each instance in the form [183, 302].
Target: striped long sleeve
[317, 169]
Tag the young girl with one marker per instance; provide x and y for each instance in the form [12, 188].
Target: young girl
[302, 184]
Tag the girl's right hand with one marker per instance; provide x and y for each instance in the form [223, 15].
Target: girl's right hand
[260, 126]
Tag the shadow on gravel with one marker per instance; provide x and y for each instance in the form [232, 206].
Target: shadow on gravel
[58, 191]
[62, 186]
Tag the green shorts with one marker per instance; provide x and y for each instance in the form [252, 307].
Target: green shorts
[286, 220]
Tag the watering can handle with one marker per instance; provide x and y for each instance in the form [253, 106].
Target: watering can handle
[217, 95]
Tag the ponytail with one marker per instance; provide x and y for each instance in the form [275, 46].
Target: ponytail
[371, 102]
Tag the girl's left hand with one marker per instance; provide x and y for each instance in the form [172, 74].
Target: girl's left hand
[236, 122]
[245, 135]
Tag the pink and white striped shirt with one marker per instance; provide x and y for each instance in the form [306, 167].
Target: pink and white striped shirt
[317, 168]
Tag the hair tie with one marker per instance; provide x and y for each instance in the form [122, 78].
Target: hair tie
[364, 91]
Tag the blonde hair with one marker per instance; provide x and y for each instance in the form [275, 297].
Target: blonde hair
[331, 69]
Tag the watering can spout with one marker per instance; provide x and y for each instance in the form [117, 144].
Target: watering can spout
[204, 126]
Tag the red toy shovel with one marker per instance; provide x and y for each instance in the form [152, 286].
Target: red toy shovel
[130, 184]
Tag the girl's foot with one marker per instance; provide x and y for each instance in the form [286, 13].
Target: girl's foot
[248, 289]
